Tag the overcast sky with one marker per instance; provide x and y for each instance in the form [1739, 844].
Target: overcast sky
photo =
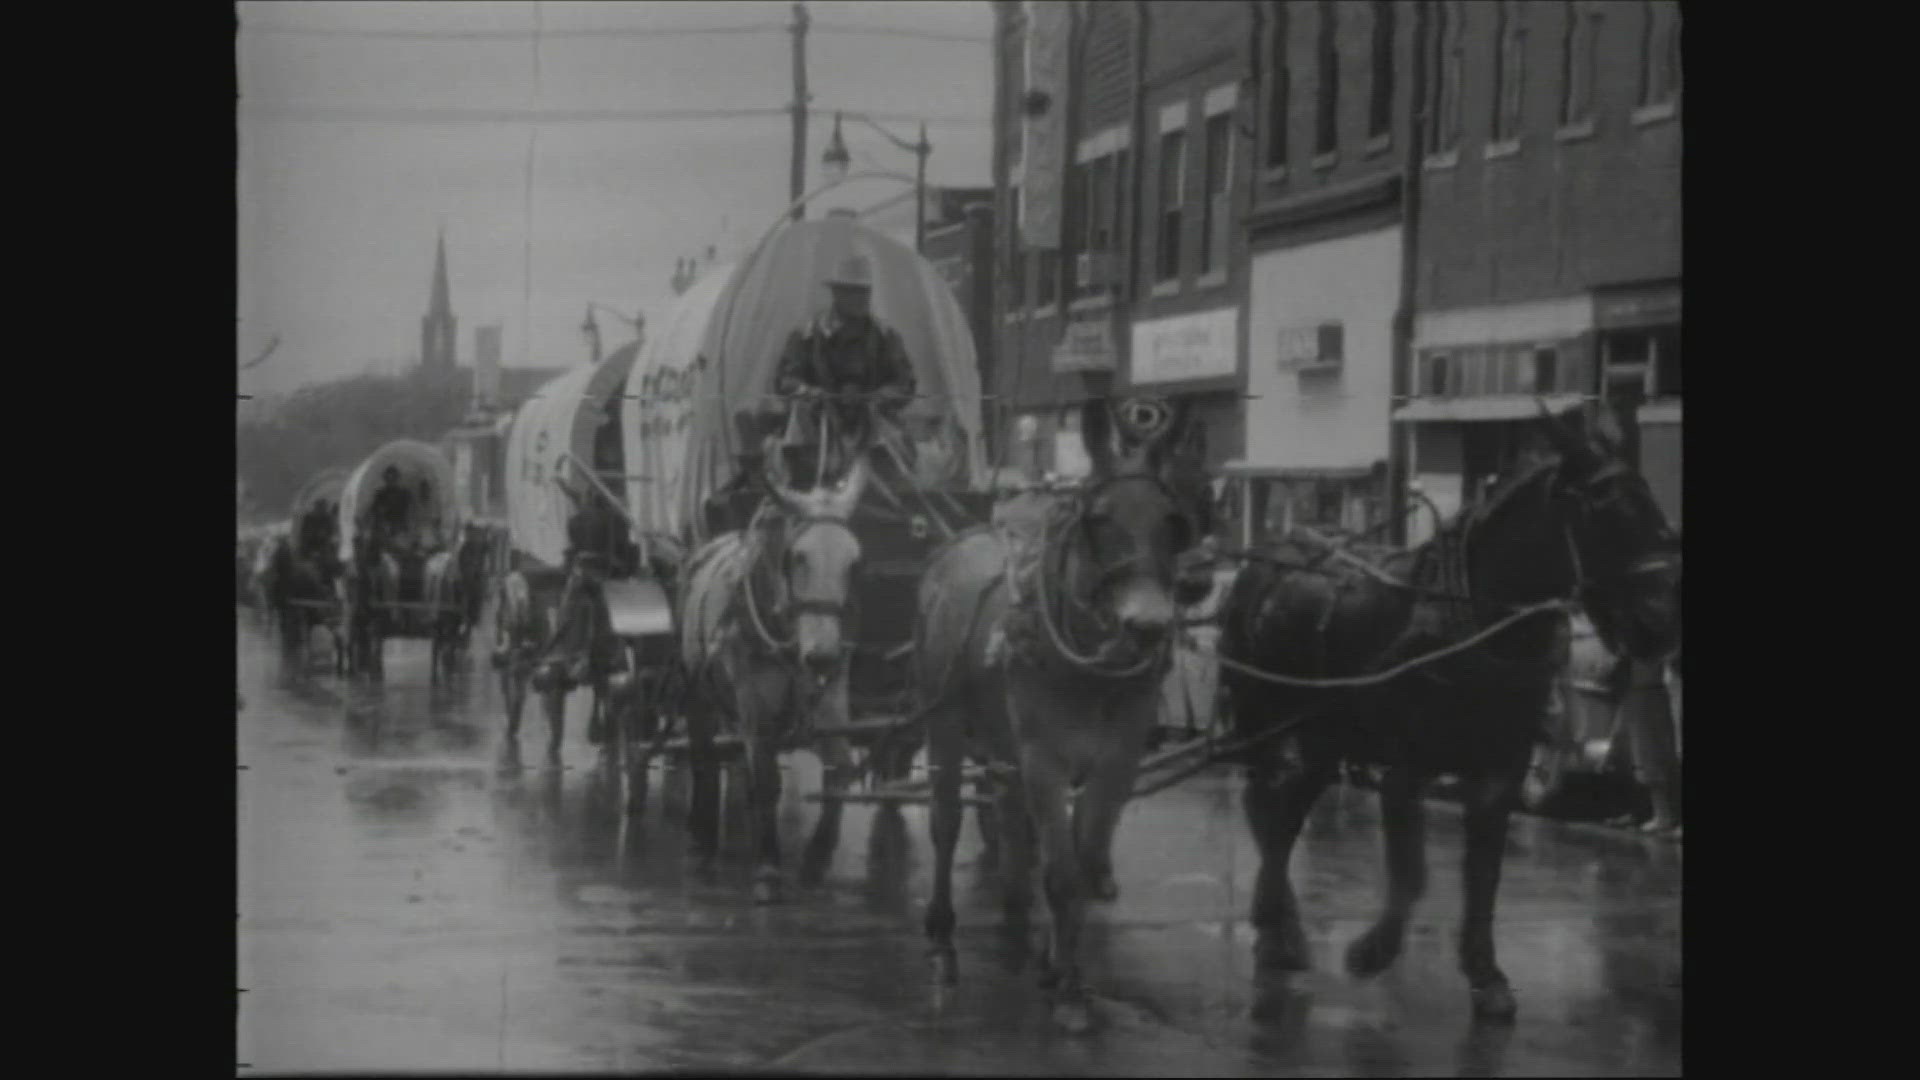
[355, 149]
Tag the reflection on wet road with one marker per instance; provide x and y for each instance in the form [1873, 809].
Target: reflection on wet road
[407, 905]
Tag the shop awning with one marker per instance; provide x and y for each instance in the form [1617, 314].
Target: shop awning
[1495, 407]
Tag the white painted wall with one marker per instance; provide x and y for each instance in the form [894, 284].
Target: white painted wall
[1338, 422]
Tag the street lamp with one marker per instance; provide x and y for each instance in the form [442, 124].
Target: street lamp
[836, 160]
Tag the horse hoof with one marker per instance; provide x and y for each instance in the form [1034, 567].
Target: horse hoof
[766, 892]
[1103, 888]
[946, 967]
[1494, 1003]
[1073, 1015]
[1275, 953]
[1372, 954]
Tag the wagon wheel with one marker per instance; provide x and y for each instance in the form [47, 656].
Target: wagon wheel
[653, 694]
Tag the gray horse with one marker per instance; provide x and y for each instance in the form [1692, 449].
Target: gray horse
[765, 656]
[1041, 645]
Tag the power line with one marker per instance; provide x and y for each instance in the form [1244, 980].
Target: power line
[454, 114]
[603, 32]
[509, 35]
[881, 31]
[410, 114]
[905, 118]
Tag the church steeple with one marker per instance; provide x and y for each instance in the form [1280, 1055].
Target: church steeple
[437, 329]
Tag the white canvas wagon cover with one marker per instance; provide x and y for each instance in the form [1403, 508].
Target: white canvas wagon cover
[560, 419]
[417, 462]
[721, 346]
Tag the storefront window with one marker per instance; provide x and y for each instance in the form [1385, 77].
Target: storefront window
[1666, 362]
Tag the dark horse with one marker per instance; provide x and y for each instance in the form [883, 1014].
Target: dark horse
[1578, 526]
[456, 587]
[1040, 646]
[297, 594]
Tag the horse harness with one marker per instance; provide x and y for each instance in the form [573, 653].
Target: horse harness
[1032, 619]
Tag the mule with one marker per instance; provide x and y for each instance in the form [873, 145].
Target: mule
[764, 656]
[519, 627]
[1040, 646]
[370, 584]
[456, 587]
[1578, 525]
[284, 581]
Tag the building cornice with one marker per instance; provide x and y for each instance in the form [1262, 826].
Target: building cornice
[1350, 197]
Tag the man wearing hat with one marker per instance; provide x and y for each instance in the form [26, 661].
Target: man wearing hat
[850, 363]
[392, 506]
[598, 547]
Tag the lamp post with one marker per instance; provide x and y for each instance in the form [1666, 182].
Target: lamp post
[836, 161]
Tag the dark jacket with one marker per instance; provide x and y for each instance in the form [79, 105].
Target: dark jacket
[391, 505]
[596, 532]
[839, 357]
[315, 533]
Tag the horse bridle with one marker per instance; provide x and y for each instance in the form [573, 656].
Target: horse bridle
[789, 607]
[1613, 478]
[1062, 523]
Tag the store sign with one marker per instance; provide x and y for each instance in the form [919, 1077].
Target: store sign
[1646, 307]
[1185, 347]
[1311, 345]
[1087, 346]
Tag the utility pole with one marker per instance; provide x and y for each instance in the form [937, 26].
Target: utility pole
[1419, 111]
[797, 178]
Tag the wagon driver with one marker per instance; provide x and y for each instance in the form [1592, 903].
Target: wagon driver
[392, 506]
[854, 366]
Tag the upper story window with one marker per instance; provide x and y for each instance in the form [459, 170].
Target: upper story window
[1215, 213]
[1380, 102]
[1279, 85]
[1102, 172]
[1579, 45]
[1443, 114]
[1659, 52]
[1326, 134]
[1173, 179]
[1509, 70]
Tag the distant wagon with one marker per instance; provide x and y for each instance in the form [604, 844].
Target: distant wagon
[386, 586]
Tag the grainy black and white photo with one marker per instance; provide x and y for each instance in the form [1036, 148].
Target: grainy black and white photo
[968, 537]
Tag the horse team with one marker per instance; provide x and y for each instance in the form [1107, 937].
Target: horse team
[1041, 641]
[375, 596]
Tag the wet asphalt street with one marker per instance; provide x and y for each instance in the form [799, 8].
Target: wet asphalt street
[404, 905]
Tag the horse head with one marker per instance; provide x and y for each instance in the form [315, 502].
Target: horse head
[813, 558]
[1122, 531]
[1625, 556]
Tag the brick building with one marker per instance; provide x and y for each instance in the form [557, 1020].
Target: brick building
[1358, 238]
[1326, 263]
[1549, 243]
[1081, 109]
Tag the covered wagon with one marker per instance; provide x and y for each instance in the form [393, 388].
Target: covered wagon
[716, 355]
